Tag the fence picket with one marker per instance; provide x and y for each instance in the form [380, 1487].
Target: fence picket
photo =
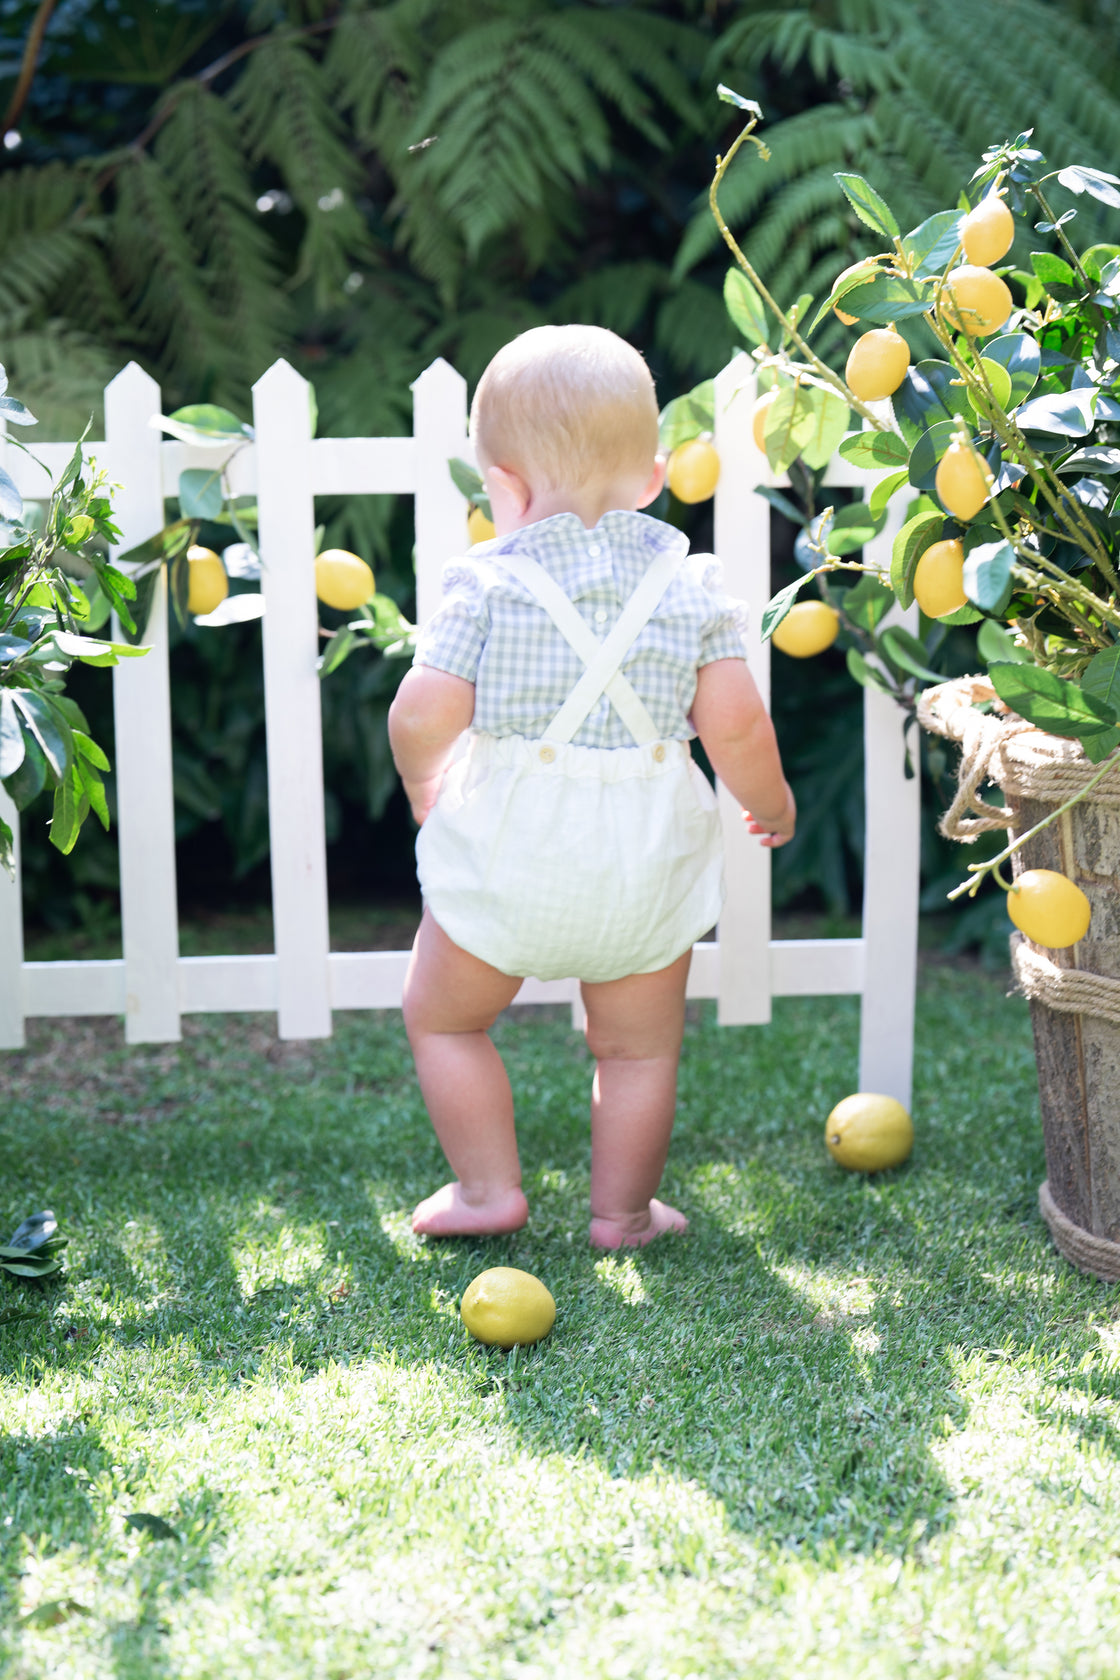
[742, 542]
[290, 635]
[142, 727]
[439, 409]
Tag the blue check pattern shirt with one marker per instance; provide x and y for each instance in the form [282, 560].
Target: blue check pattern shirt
[491, 631]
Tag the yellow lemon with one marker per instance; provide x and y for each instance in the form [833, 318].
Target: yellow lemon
[1049, 908]
[988, 231]
[758, 418]
[693, 470]
[479, 528]
[842, 314]
[938, 588]
[342, 579]
[977, 301]
[808, 628]
[963, 481]
[867, 1133]
[208, 583]
[507, 1308]
[877, 364]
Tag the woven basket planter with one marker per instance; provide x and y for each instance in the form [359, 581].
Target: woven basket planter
[1074, 994]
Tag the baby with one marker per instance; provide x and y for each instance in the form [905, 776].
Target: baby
[580, 649]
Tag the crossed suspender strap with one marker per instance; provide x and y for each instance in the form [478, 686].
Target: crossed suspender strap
[603, 660]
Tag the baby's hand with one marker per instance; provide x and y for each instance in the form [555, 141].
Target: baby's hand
[774, 833]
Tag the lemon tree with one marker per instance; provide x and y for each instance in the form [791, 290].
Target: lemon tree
[997, 423]
[57, 589]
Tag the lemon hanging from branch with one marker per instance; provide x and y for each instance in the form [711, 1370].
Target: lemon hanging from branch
[963, 480]
[207, 583]
[988, 231]
[938, 579]
[807, 629]
[877, 364]
[1049, 908]
[693, 470]
[342, 580]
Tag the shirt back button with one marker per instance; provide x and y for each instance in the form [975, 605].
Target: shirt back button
[659, 752]
[547, 754]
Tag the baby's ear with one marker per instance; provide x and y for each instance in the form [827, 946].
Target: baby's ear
[654, 483]
[508, 492]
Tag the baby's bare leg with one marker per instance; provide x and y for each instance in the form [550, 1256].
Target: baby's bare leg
[634, 1031]
[451, 1000]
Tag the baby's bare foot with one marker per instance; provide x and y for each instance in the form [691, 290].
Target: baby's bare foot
[637, 1229]
[449, 1214]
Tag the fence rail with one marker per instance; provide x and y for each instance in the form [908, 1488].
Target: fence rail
[152, 986]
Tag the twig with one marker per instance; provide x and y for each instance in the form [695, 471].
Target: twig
[27, 66]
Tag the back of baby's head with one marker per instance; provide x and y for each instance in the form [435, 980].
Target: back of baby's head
[565, 407]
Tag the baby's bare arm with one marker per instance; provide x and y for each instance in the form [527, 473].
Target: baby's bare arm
[431, 710]
[738, 737]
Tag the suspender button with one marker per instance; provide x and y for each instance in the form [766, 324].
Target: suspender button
[659, 752]
[547, 754]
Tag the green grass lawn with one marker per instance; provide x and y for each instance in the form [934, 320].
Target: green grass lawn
[845, 1427]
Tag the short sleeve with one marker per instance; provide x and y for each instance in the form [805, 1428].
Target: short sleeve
[724, 632]
[454, 636]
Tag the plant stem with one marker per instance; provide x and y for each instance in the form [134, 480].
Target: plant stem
[978, 870]
[822, 370]
[1035, 191]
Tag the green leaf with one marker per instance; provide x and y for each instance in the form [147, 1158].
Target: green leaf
[993, 643]
[791, 425]
[745, 306]
[874, 449]
[889, 297]
[1098, 747]
[466, 479]
[867, 603]
[910, 544]
[71, 805]
[200, 493]
[339, 647]
[867, 675]
[730, 97]
[927, 453]
[885, 489]
[1049, 701]
[930, 391]
[932, 245]
[28, 781]
[1060, 413]
[687, 416]
[1052, 270]
[853, 527]
[1020, 355]
[987, 575]
[868, 206]
[857, 275]
[832, 418]
[907, 652]
[49, 728]
[1101, 678]
[12, 743]
[204, 423]
[53, 1612]
[780, 604]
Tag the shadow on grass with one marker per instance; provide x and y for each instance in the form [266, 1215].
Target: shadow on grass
[793, 1357]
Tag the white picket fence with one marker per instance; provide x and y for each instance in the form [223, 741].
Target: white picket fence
[152, 986]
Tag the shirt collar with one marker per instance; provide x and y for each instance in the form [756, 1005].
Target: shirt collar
[563, 536]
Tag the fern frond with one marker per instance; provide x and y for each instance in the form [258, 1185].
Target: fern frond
[60, 373]
[617, 296]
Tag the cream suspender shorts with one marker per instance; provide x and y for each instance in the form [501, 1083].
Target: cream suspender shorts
[547, 859]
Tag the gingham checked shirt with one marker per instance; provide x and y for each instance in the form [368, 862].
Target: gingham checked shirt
[491, 631]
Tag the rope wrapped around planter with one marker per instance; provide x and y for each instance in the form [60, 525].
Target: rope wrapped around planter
[1002, 748]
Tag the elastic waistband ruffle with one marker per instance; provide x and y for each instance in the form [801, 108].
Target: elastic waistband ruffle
[601, 764]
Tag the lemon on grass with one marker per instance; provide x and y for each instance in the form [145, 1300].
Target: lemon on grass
[479, 528]
[963, 480]
[693, 470]
[868, 1133]
[808, 628]
[877, 364]
[758, 418]
[975, 300]
[208, 584]
[1049, 908]
[342, 580]
[938, 585]
[505, 1307]
[988, 231]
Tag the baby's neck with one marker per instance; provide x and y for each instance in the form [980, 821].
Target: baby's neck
[588, 505]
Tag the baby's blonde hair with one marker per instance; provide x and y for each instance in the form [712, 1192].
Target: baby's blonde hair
[566, 406]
